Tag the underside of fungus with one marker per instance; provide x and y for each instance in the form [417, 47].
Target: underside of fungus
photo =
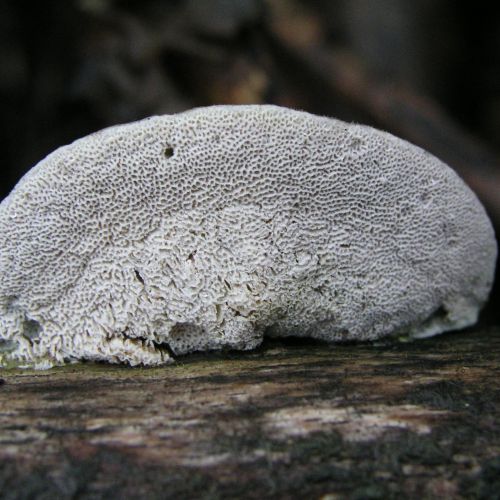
[212, 228]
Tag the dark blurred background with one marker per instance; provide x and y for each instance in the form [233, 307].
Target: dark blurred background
[426, 70]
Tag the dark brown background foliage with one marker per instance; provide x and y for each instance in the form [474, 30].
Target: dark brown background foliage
[428, 71]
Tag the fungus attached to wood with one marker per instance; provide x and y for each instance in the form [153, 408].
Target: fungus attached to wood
[211, 228]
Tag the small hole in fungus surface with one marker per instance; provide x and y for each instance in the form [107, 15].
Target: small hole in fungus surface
[169, 152]
[138, 276]
[441, 313]
[7, 345]
[11, 301]
[31, 329]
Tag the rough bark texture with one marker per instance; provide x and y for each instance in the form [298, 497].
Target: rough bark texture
[289, 420]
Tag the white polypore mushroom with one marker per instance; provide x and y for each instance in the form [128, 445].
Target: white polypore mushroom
[211, 228]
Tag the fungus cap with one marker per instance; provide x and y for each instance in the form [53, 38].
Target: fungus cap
[210, 228]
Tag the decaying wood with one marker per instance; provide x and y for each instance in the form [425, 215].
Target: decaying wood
[290, 420]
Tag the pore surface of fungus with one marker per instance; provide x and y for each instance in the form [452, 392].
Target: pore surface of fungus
[210, 228]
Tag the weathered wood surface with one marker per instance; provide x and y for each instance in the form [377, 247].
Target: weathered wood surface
[291, 420]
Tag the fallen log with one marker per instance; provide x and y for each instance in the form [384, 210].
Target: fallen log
[292, 419]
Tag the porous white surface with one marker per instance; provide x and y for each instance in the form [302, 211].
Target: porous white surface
[207, 229]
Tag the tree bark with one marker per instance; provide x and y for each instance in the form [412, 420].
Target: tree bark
[289, 420]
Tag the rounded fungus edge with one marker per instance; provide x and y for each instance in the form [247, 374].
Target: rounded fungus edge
[211, 228]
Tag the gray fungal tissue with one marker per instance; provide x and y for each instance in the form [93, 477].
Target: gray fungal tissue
[212, 228]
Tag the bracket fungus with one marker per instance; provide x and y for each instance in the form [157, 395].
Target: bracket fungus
[211, 228]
